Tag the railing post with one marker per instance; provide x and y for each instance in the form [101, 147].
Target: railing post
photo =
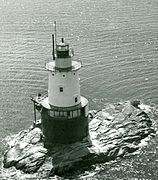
[34, 113]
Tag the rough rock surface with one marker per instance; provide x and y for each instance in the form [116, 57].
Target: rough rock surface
[26, 151]
[113, 132]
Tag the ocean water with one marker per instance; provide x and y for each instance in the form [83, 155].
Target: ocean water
[117, 42]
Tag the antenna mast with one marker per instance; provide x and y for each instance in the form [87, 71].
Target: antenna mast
[53, 53]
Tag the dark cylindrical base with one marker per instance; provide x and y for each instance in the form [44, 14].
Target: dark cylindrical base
[63, 130]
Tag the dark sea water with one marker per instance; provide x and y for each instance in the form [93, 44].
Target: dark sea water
[117, 42]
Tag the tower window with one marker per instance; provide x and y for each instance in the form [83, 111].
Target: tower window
[74, 73]
[79, 112]
[76, 99]
[61, 89]
[63, 75]
[69, 114]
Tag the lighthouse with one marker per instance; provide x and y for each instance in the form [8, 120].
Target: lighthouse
[64, 112]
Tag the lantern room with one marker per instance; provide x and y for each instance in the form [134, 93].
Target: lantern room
[63, 60]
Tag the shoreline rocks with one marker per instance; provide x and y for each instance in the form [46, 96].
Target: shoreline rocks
[26, 151]
[115, 131]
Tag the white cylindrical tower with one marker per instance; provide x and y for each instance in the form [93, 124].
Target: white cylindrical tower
[64, 86]
[64, 112]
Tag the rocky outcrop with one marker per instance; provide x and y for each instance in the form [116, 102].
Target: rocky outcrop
[113, 132]
[26, 151]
